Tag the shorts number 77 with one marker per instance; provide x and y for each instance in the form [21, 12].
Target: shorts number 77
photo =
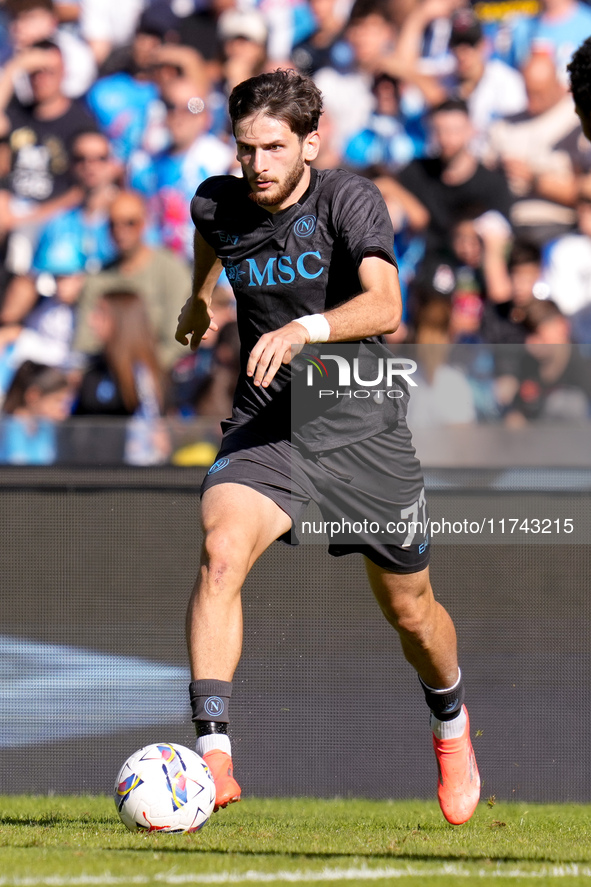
[415, 524]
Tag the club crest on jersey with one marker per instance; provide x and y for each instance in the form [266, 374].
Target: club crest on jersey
[305, 226]
[217, 466]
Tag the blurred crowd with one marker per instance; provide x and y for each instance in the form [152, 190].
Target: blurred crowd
[112, 113]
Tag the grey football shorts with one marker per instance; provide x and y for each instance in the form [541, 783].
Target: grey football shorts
[370, 494]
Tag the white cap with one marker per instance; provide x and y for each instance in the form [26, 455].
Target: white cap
[247, 23]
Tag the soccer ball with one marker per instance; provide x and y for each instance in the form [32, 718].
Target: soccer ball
[164, 788]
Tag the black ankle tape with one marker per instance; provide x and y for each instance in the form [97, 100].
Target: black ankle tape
[447, 704]
[210, 701]
[207, 728]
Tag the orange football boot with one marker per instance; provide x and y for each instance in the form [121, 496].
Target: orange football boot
[227, 790]
[458, 788]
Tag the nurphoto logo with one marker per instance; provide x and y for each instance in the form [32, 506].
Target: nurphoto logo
[387, 370]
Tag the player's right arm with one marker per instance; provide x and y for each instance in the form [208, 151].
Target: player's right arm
[196, 317]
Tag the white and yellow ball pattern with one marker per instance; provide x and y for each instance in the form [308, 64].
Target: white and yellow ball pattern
[166, 788]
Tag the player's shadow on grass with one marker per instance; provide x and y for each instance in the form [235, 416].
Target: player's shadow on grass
[319, 857]
[45, 821]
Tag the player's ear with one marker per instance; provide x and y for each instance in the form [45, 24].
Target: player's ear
[311, 146]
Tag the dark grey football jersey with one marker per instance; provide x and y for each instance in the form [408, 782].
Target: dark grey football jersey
[281, 266]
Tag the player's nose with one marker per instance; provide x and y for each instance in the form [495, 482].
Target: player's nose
[259, 160]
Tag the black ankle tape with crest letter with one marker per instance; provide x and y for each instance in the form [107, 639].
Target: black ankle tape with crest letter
[210, 702]
[445, 704]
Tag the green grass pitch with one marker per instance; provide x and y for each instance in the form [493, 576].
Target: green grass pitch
[68, 841]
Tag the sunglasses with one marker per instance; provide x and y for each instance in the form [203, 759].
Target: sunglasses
[52, 71]
[125, 223]
[170, 108]
[90, 158]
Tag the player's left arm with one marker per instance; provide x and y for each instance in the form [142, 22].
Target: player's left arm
[376, 310]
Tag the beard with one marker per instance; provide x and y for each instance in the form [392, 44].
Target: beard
[278, 194]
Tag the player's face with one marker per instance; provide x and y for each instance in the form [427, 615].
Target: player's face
[274, 160]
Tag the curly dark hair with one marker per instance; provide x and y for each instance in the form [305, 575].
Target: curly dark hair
[283, 94]
[579, 70]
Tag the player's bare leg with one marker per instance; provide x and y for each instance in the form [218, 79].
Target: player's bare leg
[239, 523]
[425, 628]
[428, 640]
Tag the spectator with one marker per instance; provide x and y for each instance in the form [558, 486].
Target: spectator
[192, 371]
[423, 43]
[490, 88]
[329, 154]
[286, 24]
[457, 268]
[391, 138]
[579, 70]
[133, 50]
[443, 395]
[406, 212]
[113, 384]
[568, 260]
[162, 279]
[472, 264]
[199, 29]
[540, 174]
[125, 378]
[553, 379]
[216, 395]
[40, 181]
[98, 174]
[556, 31]
[108, 24]
[407, 216]
[453, 184]
[126, 99]
[170, 179]
[6, 47]
[171, 62]
[546, 325]
[475, 276]
[38, 398]
[326, 46]
[46, 332]
[243, 37]
[348, 96]
[68, 13]
[34, 21]
[503, 321]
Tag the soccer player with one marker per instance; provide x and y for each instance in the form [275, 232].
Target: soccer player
[579, 71]
[310, 258]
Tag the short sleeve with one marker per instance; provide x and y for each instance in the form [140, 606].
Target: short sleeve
[205, 201]
[361, 220]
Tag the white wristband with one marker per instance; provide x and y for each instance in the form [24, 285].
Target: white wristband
[317, 326]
